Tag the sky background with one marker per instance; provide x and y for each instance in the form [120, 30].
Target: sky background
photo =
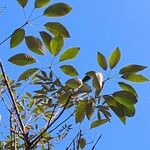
[99, 25]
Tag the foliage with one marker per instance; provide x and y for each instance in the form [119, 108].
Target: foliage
[37, 114]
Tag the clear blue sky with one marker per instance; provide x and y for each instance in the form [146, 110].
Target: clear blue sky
[102, 25]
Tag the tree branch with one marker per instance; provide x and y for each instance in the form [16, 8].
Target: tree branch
[96, 142]
[12, 98]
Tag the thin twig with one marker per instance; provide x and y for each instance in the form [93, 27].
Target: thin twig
[72, 141]
[12, 33]
[96, 142]
[62, 122]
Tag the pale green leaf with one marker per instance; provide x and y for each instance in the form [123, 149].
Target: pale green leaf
[69, 70]
[127, 87]
[69, 54]
[57, 28]
[125, 98]
[98, 123]
[56, 45]
[41, 3]
[135, 78]
[114, 58]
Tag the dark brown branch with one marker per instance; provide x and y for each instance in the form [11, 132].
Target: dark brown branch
[12, 98]
[96, 142]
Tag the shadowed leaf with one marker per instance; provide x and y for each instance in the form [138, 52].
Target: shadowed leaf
[57, 10]
[101, 60]
[22, 59]
[17, 37]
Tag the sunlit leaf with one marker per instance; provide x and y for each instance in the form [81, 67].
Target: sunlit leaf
[57, 28]
[57, 10]
[69, 70]
[28, 73]
[74, 83]
[98, 123]
[46, 39]
[114, 58]
[23, 3]
[17, 37]
[125, 98]
[80, 111]
[85, 88]
[56, 45]
[132, 69]
[127, 87]
[135, 78]
[22, 59]
[35, 45]
[41, 3]
[101, 60]
[69, 54]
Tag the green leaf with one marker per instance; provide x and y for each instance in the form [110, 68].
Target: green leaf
[46, 39]
[57, 28]
[80, 111]
[101, 60]
[17, 37]
[69, 70]
[41, 3]
[74, 83]
[129, 111]
[114, 58]
[31, 103]
[35, 45]
[123, 119]
[125, 98]
[132, 69]
[82, 143]
[98, 123]
[28, 73]
[69, 54]
[127, 87]
[22, 59]
[85, 88]
[89, 109]
[135, 78]
[56, 45]
[57, 10]
[23, 3]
